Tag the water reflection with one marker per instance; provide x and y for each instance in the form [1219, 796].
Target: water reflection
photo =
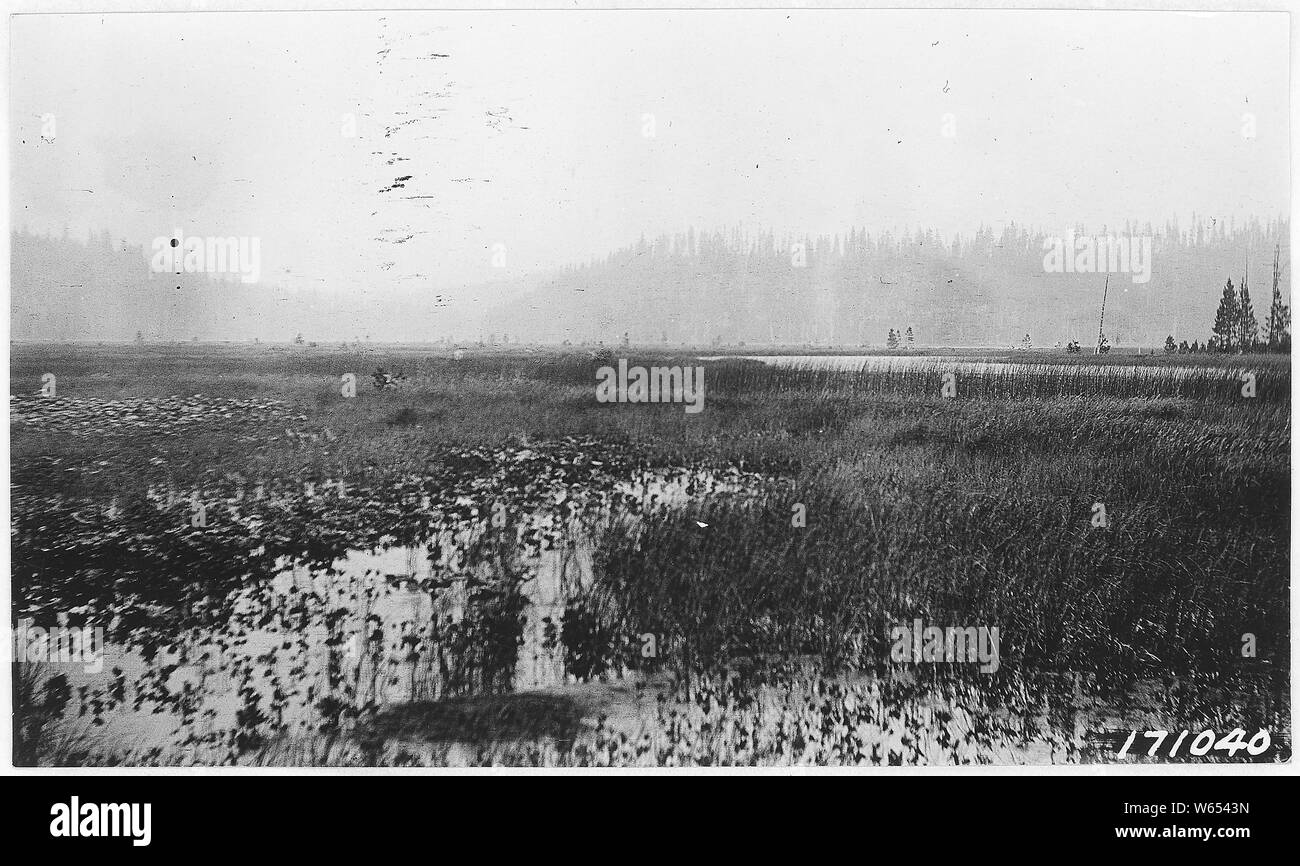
[476, 608]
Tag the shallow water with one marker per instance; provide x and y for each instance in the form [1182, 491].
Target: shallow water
[387, 625]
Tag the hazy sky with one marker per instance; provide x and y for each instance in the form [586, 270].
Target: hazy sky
[531, 132]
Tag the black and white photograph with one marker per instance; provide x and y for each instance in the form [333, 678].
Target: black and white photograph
[599, 390]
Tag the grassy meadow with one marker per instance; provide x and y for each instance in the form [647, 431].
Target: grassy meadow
[593, 584]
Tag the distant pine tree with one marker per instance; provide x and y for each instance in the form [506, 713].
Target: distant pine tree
[1170, 346]
[1226, 320]
[892, 341]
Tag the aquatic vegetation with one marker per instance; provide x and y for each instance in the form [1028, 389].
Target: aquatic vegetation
[139, 416]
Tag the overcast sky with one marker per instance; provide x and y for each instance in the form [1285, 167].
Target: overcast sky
[532, 131]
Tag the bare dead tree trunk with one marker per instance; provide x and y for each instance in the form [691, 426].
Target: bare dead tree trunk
[1102, 320]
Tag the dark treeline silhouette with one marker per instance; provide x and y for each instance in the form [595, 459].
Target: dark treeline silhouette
[696, 288]
[731, 287]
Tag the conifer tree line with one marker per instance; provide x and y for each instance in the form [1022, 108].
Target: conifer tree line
[696, 288]
[738, 287]
[1237, 329]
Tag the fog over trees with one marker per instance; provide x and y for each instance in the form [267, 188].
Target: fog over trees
[729, 287]
[698, 288]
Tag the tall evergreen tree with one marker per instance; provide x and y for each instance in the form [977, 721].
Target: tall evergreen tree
[1226, 320]
[1248, 329]
[1279, 314]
